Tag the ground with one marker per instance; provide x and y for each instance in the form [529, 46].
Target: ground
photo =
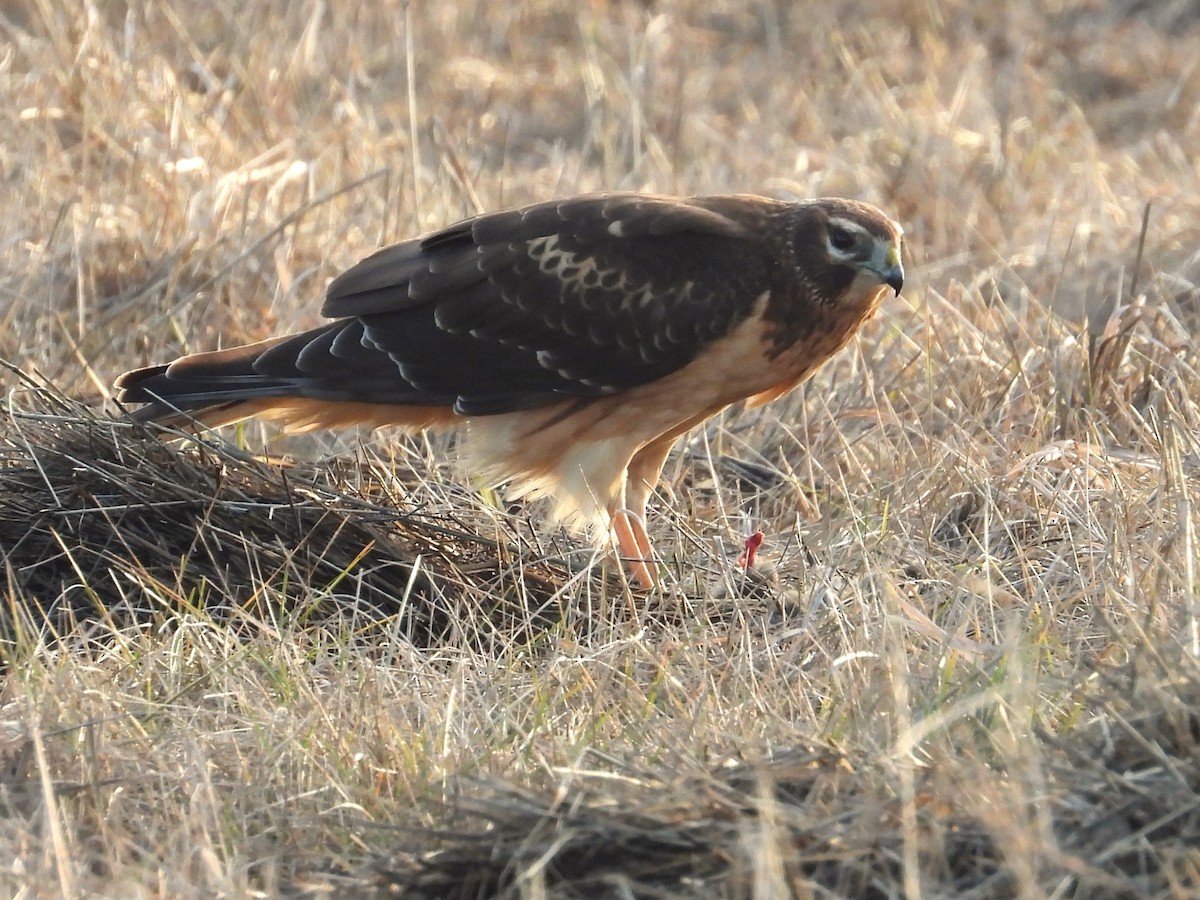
[265, 665]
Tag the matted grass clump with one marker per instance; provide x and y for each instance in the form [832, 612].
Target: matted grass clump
[246, 664]
[1118, 816]
[109, 522]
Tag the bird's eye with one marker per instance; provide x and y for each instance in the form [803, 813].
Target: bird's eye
[841, 239]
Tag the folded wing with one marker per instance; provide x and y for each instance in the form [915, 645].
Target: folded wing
[499, 313]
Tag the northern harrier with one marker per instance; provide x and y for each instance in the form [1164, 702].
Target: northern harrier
[577, 338]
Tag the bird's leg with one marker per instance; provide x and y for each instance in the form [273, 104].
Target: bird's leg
[634, 546]
[629, 517]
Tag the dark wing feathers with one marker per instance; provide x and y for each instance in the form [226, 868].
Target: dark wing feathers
[519, 308]
[572, 298]
[381, 271]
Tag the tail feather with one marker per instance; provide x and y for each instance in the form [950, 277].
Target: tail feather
[225, 386]
[208, 388]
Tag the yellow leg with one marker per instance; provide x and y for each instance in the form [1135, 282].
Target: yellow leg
[634, 546]
[629, 518]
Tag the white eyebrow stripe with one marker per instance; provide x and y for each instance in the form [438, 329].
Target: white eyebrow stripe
[847, 225]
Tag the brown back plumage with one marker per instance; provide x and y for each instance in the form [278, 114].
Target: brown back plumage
[518, 309]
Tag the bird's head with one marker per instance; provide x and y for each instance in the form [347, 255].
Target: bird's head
[863, 239]
[852, 248]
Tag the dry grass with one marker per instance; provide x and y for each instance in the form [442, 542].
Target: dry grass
[976, 673]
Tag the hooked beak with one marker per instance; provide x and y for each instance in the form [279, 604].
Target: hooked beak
[894, 278]
[889, 268]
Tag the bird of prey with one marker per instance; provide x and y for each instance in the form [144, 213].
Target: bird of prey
[576, 339]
